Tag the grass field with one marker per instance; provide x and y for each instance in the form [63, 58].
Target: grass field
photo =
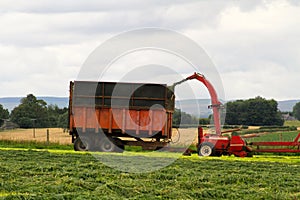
[292, 123]
[34, 170]
[64, 174]
[277, 136]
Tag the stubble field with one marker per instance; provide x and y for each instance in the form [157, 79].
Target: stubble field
[56, 135]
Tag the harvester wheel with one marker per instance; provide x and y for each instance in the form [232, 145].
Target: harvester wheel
[206, 149]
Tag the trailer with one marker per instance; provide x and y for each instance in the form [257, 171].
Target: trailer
[106, 116]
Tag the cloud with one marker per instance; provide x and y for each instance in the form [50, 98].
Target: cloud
[254, 44]
[65, 6]
[45, 74]
[45, 23]
[256, 51]
[271, 81]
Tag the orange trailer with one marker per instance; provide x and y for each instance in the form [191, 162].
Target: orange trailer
[105, 116]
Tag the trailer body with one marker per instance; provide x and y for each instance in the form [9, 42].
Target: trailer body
[121, 113]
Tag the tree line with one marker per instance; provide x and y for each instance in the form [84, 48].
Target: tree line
[33, 112]
[256, 111]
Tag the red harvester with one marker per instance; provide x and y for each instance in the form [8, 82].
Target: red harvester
[217, 144]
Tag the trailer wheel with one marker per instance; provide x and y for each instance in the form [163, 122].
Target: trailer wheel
[111, 145]
[81, 144]
[206, 149]
[120, 146]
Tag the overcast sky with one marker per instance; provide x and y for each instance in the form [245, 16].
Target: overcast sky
[255, 45]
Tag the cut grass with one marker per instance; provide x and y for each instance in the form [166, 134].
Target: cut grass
[33, 145]
[51, 175]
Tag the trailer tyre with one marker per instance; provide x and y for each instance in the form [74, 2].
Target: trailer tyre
[81, 144]
[111, 145]
[206, 149]
[120, 146]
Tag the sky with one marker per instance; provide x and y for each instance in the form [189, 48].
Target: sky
[254, 44]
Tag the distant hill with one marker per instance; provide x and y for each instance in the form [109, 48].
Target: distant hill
[61, 102]
[190, 106]
[11, 102]
[287, 106]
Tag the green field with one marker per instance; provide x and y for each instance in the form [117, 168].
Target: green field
[292, 123]
[65, 174]
[277, 136]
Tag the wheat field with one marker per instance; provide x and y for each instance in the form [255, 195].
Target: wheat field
[56, 135]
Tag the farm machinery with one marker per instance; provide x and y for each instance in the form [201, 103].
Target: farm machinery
[138, 114]
[218, 144]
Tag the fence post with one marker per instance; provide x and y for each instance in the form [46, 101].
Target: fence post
[280, 137]
[47, 137]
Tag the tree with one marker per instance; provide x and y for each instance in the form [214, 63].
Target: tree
[176, 116]
[257, 112]
[236, 112]
[296, 111]
[204, 121]
[31, 112]
[180, 117]
[4, 114]
[57, 117]
[63, 120]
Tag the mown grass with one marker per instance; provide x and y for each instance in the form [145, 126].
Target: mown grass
[33, 145]
[34, 174]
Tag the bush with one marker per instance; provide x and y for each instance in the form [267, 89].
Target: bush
[235, 126]
[269, 130]
[204, 121]
[281, 128]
